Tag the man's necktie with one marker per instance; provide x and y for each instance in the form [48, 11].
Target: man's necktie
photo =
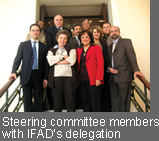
[78, 42]
[114, 44]
[35, 56]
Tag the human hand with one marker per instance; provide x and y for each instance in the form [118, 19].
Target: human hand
[13, 75]
[65, 56]
[138, 73]
[45, 83]
[98, 82]
[111, 70]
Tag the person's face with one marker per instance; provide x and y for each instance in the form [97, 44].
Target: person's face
[58, 21]
[96, 35]
[62, 40]
[35, 32]
[106, 28]
[77, 30]
[41, 24]
[86, 25]
[85, 39]
[114, 32]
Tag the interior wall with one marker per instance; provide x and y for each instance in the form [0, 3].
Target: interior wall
[135, 24]
[16, 17]
[133, 18]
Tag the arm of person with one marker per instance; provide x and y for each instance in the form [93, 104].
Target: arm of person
[69, 59]
[62, 62]
[17, 60]
[13, 75]
[53, 59]
[98, 82]
[132, 58]
[46, 69]
[131, 55]
[100, 64]
[72, 57]
[45, 82]
[111, 70]
[136, 73]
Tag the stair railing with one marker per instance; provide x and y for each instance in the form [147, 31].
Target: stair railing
[141, 94]
[9, 99]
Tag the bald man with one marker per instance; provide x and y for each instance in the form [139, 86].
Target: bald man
[122, 64]
[51, 31]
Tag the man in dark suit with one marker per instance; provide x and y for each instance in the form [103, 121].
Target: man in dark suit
[74, 41]
[34, 71]
[51, 31]
[122, 63]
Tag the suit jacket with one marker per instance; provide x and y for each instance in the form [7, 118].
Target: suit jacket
[25, 54]
[105, 53]
[124, 59]
[109, 40]
[94, 63]
[50, 36]
[73, 42]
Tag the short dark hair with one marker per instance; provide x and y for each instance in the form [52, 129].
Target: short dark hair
[63, 31]
[89, 34]
[107, 23]
[35, 25]
[76, 25]
[39, 21]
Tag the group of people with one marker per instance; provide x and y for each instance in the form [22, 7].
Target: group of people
[91, 68]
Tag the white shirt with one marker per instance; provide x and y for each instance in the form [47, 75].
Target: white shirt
[62, 69]
[37, 49]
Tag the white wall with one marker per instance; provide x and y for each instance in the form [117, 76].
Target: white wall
[15, 18]
[134, 21]
[133, 18]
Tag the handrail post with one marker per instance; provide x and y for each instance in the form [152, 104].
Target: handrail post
[6, 101]
[145, 90]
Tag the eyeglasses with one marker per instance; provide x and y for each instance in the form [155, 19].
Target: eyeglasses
[85, 23]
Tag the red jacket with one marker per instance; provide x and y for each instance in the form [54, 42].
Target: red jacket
[94, 63]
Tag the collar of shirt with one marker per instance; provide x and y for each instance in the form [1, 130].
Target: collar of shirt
[59, 28]
[116, 40]
[37, 42]
[59, 48]
[76, 37]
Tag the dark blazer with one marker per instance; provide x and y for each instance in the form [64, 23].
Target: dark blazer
[25, 54]
[73, 42]
[94, 63]
[105, 53]
[124, 59]
[50, 36]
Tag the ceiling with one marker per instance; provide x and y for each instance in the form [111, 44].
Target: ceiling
[72, 7]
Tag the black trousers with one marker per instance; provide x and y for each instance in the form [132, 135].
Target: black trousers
[63, 90]
[120, 96]
[36, 85]
[105, 98]
[90, 97]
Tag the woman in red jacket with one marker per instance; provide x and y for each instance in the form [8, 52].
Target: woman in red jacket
[90, 72]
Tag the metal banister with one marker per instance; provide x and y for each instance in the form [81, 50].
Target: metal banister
[8, 84]
[141, 94]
